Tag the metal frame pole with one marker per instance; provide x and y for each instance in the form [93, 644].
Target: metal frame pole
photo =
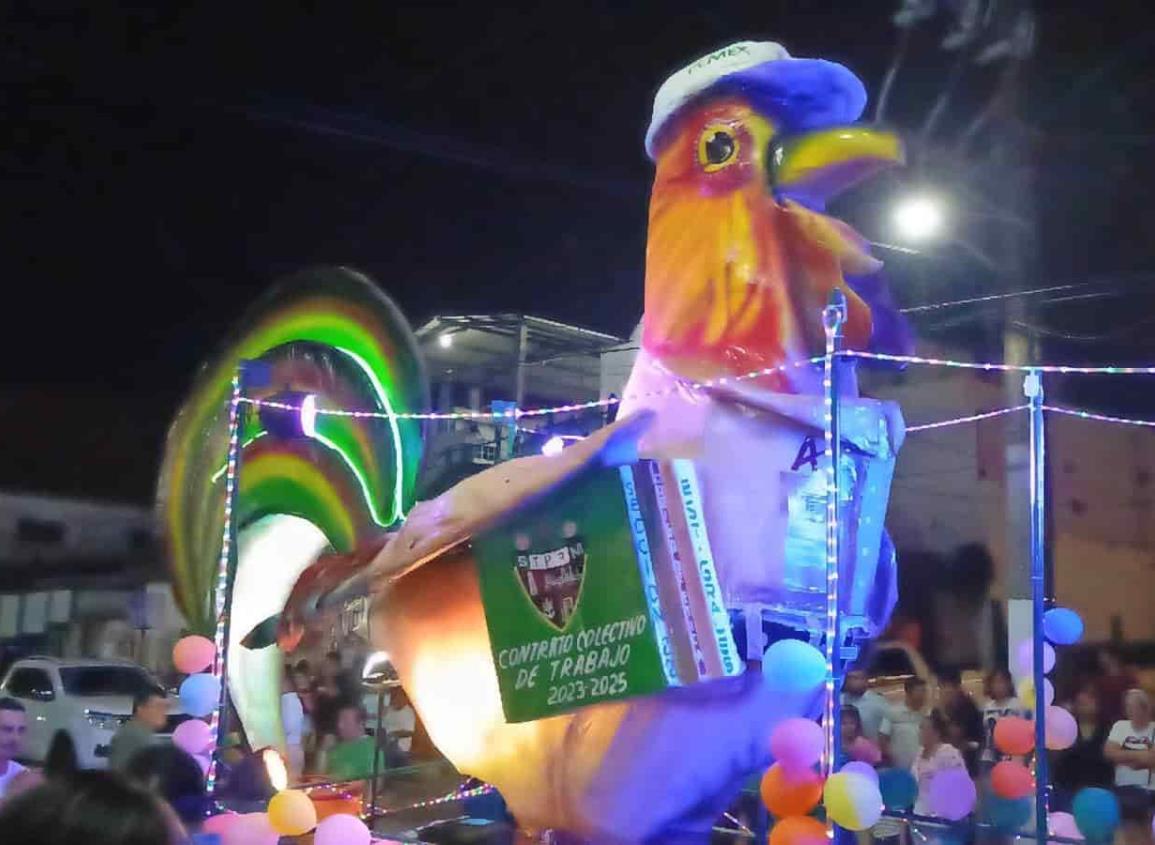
[833, 317]
[1033, 388]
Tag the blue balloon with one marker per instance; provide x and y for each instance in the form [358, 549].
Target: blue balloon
[1007, 815]
[200, 694]
[1096, 812]
[793, 666]
[1062, 626]
[898, 788]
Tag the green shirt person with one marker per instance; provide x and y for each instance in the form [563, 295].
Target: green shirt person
[149, 715]
[350, 757]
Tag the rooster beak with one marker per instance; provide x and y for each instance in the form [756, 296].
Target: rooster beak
[814, 167]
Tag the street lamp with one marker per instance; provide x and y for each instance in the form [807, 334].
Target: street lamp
[919, 217]
[445, 340]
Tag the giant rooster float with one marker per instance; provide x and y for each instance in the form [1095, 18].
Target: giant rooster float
[589, 653]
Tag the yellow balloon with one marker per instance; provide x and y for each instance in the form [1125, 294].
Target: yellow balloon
[852, 801]
[292, 813]
[1027, 692]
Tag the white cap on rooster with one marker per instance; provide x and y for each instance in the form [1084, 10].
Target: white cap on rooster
[803, 93]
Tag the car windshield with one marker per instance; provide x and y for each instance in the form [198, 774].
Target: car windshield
[890, 662]
[104, 680]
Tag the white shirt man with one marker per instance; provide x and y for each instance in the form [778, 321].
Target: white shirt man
[12, 728]
[1131, 743]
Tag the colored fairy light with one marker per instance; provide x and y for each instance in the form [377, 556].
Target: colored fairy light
[832, 318]
[220, 595]
[968, 419]
[1088, 415]
[1061, 369]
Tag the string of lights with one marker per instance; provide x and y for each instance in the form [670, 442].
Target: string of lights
[223, 567]
[1088, 415]
[968, 419]
[1063, 369]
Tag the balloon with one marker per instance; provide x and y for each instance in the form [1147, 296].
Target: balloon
[798, 830]
[1010, 779]
[291, 813]
[219, 824]
[200, 694]
[194, 736]
[1062, 729]
[859, 767]
[864, 750]
[1062, 626]
[793, 666]
[1008, 814]
[899, 789]
[797, 743]
[1026, 658]
[250, 829]
[193, 654]
[1096, 813]
[1026, 692]
[790, 792]
[1014, 735]
[342, 830]
[852, 800]
[952, 794]
[1063, 825]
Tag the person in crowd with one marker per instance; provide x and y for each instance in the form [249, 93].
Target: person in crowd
[14, 778]
[1000, 702]
[335, 686]
[93, 808]
[1084, 763]
[899, 731]
[149, 715]
[1112, 683]
[61, 760]
[964, 719]
[171, 774]
[934, 755]
[1130, 744]
[399, 723]
[850, 729]
[872, 706]
[348, 755]
[293, 722]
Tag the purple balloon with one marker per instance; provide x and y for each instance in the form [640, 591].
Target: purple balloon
[859, 768]
[952, 794]
[1026, 658]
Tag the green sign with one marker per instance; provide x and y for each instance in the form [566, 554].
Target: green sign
[571, 602]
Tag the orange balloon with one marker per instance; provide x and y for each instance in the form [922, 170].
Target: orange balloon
[799, 830]
[1010, 779]
[1014, 735]
[790, 793]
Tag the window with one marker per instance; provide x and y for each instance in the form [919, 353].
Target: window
[41, 532]
[32, 684]
[104, 680]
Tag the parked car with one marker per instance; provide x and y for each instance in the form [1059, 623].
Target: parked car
[890, 662]
[85, 700]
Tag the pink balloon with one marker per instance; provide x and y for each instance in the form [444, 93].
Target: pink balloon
[219, 824]
[342, 829]
[797, 743]
[952, 794]
[1063, 825]
[193, 654]
[865, 751]
[859, 767]
[194, 736]
[204, 761]
[1062, 729]
[1026, 656]
[250, 829]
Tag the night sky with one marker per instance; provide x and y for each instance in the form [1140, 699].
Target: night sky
[161, 167]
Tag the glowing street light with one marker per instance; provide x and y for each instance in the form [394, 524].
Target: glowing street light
[445, 340]
[919, 218]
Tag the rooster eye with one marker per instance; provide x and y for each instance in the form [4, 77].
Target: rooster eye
[716, 148]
